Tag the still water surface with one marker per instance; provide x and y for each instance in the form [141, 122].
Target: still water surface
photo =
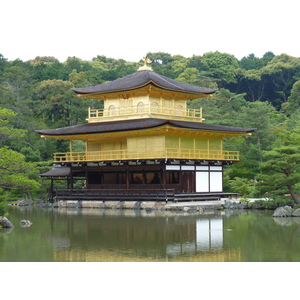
[92, 235]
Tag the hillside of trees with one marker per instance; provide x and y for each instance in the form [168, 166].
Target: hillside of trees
[263, 93]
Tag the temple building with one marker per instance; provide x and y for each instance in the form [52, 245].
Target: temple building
[144, 139]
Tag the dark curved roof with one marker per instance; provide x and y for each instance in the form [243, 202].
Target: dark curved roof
[57, 172]
[140, 79]
[118, 126]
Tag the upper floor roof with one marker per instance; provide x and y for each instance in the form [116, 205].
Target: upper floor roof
[141, 79]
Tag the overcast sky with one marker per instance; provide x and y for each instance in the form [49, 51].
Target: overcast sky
[129, 29]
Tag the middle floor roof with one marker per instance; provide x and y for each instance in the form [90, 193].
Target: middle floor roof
[138, 124]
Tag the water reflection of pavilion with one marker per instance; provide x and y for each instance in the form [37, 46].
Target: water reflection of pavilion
[209, 236]
[127, 236]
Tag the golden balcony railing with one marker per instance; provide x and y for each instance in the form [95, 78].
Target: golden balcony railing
[172, 153]
[144, 110]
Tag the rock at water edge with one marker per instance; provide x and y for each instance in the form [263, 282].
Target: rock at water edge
[285, 211]
[5, 223]
[296, 213]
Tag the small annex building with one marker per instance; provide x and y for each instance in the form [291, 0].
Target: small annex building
[145, 141]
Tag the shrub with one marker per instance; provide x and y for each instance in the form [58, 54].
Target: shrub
[2, 207]
[243, 186]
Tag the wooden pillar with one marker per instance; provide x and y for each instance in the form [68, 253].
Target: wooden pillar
[51, 185]
[50, 192]
[144, 177]
[127, 178]
[86, 148]
[71, 178]
[86, 180]
[164, 179]
[71, 149]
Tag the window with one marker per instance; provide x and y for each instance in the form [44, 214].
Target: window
[179, 110]
[111, 110]
[140, 107]
[154, 107]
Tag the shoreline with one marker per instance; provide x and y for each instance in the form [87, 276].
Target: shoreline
[143, 205]
[223, 203]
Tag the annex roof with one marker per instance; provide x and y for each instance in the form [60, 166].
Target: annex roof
[128, 125]
[140, 79]
[57, 172]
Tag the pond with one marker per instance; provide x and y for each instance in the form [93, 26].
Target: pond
[96, 235]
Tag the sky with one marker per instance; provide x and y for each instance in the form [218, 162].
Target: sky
[130, 29]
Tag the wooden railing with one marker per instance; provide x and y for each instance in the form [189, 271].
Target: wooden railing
[115, 113]
[172, 153]
[114, 195]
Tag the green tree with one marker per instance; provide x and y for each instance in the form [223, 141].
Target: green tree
[74, 63]
[6, 130]
[252, 62]
[281, 171]
[282, 72]
[293, 103]
[17, 87]
[223, 66]
[47, 67]
[162, 63]
[200, 78]
[55, 102]
[3, 64]
[14, 170]
[80, 79]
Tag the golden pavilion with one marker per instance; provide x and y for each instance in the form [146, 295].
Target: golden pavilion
[145, 143]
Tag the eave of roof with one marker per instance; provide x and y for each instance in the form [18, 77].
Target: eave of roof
[130, 125]
[140, 79]
[57, 172]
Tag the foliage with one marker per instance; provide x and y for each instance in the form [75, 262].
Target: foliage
[273, 202]
[242, 186]
[13, 170]
[251, 62]
[293, 102]
[2, 208]
[222, 65]
[281, 170]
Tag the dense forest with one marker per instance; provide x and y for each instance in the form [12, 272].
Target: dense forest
[263, 93]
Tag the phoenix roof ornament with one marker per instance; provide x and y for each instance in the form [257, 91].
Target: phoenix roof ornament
[147, 61]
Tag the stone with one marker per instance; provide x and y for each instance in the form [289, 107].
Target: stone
[47, 205]
[78, 204]
[285, 211]
[230, 205]
[24, 202]
[102, 205]
[158, 206]
[5, 223]
[137, 205]
[120, 205]
[200, 209]
[227, 204]
[243, 205]
[296, 213]
[25, 223]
